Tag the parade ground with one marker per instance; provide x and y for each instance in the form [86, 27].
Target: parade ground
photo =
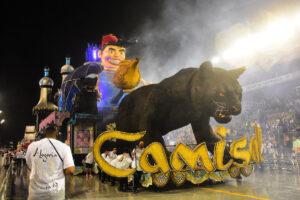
[267, 184]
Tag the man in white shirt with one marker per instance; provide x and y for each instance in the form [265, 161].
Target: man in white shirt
[102, 173]
[109, 158]
[122, 161]
[19, 155]
[137, 153]
[49, 161]
[112, 155]
[89, 160]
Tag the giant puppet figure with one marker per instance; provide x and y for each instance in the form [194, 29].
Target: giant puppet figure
[117, 79]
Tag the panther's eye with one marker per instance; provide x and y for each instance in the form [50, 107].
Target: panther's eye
[221, 94]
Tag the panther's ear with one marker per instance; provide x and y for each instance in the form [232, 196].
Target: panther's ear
[206, 67]
[235, 73]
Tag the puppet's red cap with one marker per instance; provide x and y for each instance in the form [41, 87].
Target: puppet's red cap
[108, 39]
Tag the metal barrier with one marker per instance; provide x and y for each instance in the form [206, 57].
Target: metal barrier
[4, 177]
[286, 163]
[4, 162]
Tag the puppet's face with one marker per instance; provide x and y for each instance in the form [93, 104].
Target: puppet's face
[111, 57]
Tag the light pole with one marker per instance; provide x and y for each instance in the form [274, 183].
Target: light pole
[2, 119]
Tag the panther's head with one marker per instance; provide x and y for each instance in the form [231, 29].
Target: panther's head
[217, 91]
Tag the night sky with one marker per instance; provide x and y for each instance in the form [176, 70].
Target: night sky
[38, 35]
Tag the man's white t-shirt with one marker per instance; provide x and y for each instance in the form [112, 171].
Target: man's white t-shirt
[90, 158]
[110, 157]
[47, 179]
[19, 154]
[136, 159]
[122, 162]
[103, 156]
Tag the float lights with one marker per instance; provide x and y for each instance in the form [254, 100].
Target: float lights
[91, 53]
[95, 54]
[2, 121]
[0, 111]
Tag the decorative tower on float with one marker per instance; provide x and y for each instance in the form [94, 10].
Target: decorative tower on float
[45, 105]
[64, 71]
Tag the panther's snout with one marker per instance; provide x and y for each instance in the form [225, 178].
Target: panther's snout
[235, 110]
[222, 117]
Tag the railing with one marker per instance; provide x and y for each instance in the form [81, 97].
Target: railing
[4, 177]
[4, 162]
[281, 163]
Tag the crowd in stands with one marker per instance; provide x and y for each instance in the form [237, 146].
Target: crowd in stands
[279, 118]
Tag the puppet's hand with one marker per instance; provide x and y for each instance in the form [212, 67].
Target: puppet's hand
[128, 75]
[144, 83]
[130, 63]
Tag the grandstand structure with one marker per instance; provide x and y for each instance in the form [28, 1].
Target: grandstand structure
[271, 82]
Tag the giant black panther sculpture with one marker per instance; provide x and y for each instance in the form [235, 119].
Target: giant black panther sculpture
[191, 96]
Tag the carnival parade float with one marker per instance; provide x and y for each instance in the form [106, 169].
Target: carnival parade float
[100, 105]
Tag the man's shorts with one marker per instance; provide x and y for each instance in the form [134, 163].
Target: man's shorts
[88, 165]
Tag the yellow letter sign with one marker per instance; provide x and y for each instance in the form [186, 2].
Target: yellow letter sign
[219, 155]
[106, 167]
[190, 157]
[157, 152]
[237, 153]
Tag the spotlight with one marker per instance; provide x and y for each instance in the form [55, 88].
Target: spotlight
[215, 60]
[297, 20]
[280, 31]
[260, 40]
[228, 55]
[243, 47]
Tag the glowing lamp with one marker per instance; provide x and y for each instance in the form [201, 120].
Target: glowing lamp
[2, 121]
